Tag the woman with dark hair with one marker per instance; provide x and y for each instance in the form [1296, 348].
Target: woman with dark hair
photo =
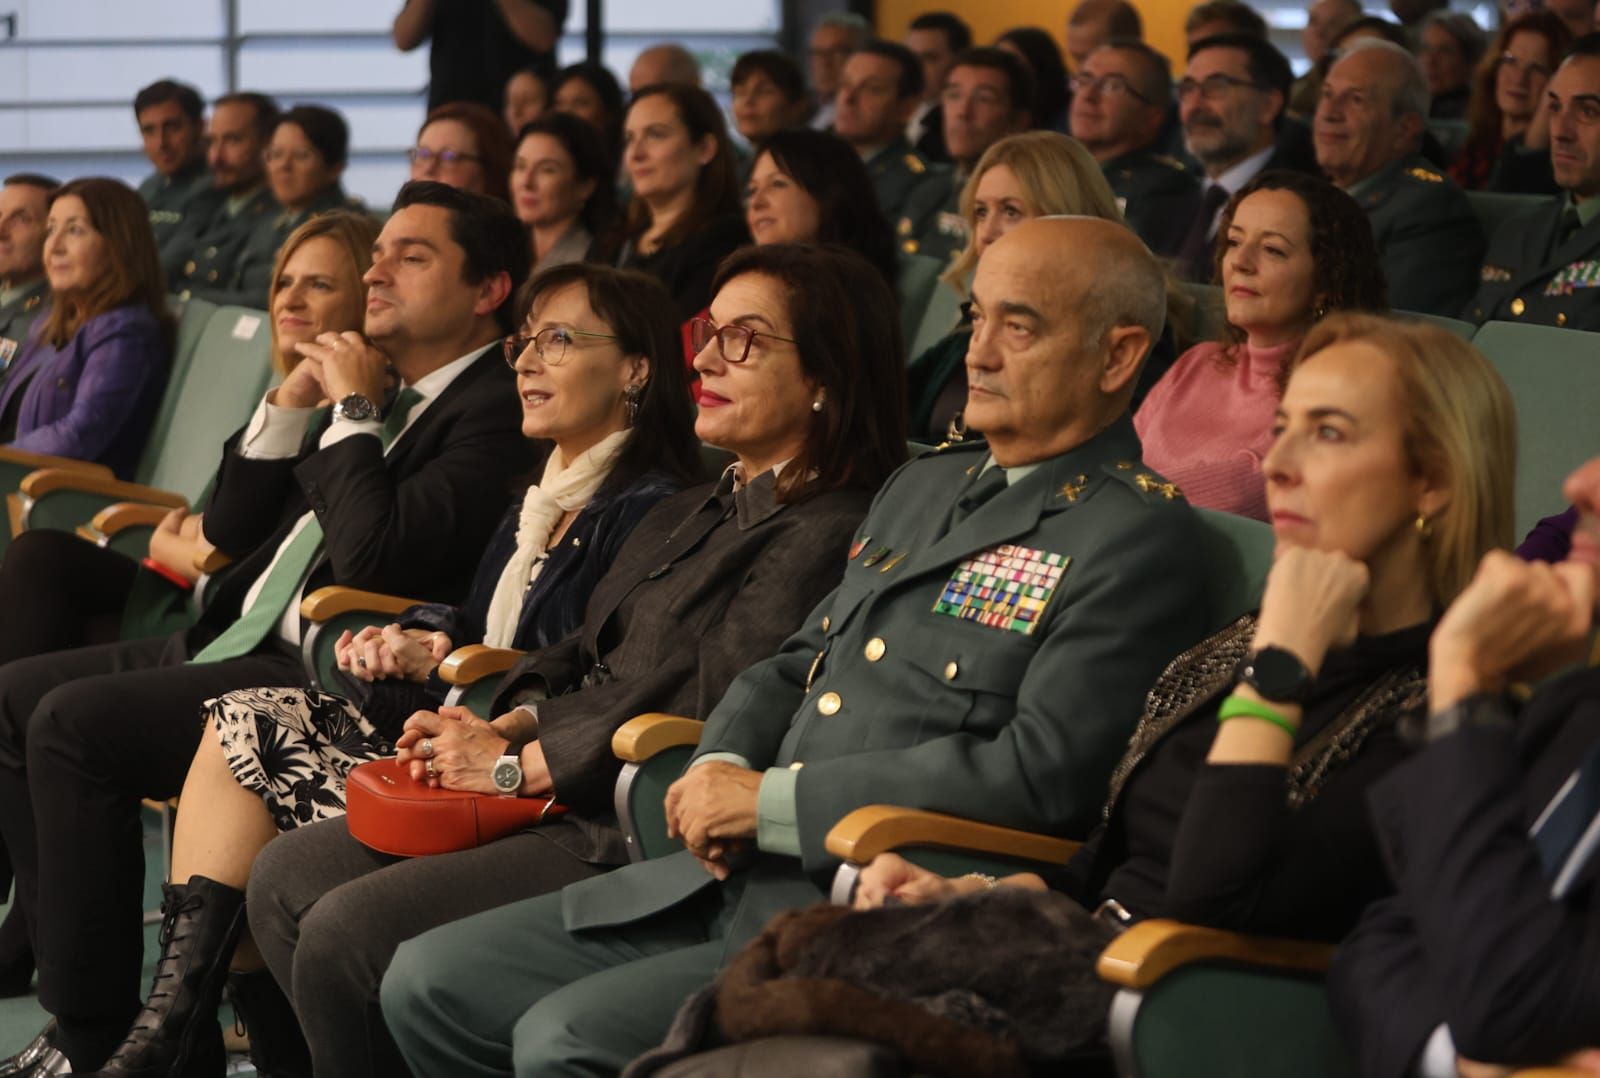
[801, 368]
[1037, 49]
[94, 366]
[1506, 95]
[562, 188]
[684, 216]
[620, 424]
[590, 92]
[769, 95]
[811, 187]
[527, 97]
[1291, 248]
[465, 145]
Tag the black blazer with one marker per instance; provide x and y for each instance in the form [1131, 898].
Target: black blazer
[410, 523]
[1472, 937]
[688, 266]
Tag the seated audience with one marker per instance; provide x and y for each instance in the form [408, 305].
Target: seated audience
[200, 256]
[1539, 264]
[527, 97]
[936, 37]
[878, 91]
[769, 95]
[562, 188]
[1291, 250]
[89, 380]
[305, 159]
[987, 96]
[1487, 958]
[464, 145]
[362, 495]
[1010, 712]
[1449, 50]
[172, 129]
[1231, 102]
[1324, 20]
[590, 92]
[834, 39]
[1095, 22]
[1215, 17]
[598, 374]
[1506, 94]
[24, 287]
[1368, 128]
[801, 373]
[684, 216]
[1120, 98]
[1240, 802]
[1036, 48]
[667, 62]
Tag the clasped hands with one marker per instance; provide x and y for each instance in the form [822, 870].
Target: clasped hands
[178, 543]
[334, 366]
[388, 651]
[463, 749]
[712, 808]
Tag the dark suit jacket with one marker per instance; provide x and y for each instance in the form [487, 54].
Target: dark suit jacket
[708, 583]
[410, 523]
[1520, 270]
[1472, 937]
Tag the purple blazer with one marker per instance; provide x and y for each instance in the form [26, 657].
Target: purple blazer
[93, 399]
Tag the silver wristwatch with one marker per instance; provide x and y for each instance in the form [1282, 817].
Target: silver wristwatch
[356, 407]
[507, 775]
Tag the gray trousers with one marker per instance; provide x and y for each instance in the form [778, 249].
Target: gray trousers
[512, 991]
[328, 913]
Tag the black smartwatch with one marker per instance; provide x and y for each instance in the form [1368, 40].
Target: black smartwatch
[1278, 675]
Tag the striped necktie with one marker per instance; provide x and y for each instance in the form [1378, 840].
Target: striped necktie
[1567, 833]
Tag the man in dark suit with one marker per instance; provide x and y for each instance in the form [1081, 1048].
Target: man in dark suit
[1543, 266]
[395, 499]
[936, 37]
[1368, 127]
[1004, 609]
[1489, 953]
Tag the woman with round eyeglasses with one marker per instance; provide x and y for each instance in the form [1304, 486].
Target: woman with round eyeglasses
[464, 145]
[1506, 100]
[621, 430]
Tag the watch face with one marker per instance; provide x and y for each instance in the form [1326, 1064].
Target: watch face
[507, 776]
[357, 407]
[1278, 674]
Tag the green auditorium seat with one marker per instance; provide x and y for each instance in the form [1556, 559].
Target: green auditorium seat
[1495, 208]
[940, 316]
[1554, 377]
[1464, 330]
[1210, 311]
[916, 281]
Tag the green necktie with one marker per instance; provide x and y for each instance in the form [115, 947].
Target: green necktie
[278, 591]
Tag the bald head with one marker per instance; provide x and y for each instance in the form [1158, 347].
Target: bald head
[663, 63]
[1373, 111]
[1058, 340]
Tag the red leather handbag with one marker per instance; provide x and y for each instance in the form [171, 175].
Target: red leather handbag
[391, 812]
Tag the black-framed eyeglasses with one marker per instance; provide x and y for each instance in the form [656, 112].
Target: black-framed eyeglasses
[421, 155]
[549, 344]
[1110, 84]
[733, 341]
[1212, 86]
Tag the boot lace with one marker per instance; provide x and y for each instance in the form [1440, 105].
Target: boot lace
[161, 986]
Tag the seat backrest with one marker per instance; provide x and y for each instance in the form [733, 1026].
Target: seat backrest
[192, 314]
[940, 315]
[1210, 312]
[1450, 134]
[230, 370]
[1464, 330]
[1554, 377]
[916, 279]
[1494, 208]
[1237, 552]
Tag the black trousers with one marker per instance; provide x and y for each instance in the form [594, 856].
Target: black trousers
[60, 592]
[84, 734]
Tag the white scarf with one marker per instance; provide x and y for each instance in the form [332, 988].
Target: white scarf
[565, 487]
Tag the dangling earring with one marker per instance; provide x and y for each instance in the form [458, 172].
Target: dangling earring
[630, 404]
[1424, 527]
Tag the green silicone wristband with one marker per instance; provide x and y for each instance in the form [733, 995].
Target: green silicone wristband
[1235, 706]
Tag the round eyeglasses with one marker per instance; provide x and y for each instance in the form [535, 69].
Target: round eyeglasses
[733, 341]
[549, 344]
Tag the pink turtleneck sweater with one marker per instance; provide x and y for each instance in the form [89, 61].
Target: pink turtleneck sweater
[1207, 424]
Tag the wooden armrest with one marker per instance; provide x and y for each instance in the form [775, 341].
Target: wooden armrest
[330, 602]
[123, 515]
[38, 461]
[874, 829]
[1553, 1072]
[1150, 950]
[643, 736]
[37, 484]
[212, 561]
[463, 666]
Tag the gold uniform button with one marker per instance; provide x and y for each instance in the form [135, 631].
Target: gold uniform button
[951, 670]
[1517, 306]
[212, 276]
[826, 623]
[1561, 318]
[188, 267]
[829, 703]
[874, 649]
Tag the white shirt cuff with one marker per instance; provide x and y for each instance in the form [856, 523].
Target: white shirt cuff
[274, 432]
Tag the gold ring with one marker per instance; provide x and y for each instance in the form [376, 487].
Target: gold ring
[431, 772]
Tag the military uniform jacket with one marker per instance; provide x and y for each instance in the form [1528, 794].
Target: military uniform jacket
[252, 271]
[917, 683]
[943, 232]
[1527, 277]
[1429, 240]
[169, 199]
[898, 172]
[1157, 195]
[203, 257]
[16, 317]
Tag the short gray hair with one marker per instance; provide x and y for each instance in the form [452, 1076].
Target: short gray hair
[1411, 96]
[1128, 288]
[1467, 33]
[859, 29]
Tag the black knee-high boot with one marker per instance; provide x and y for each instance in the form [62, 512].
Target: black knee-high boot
[277, 1047]
[176, 1034]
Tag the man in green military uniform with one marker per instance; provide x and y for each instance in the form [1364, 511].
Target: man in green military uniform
[201, 258]
[1119, 102]
[24, 290]
[878, 91]
[1368, 126]
[1004, 610]
[1544, 266]
[987, 96]
[171, 129]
